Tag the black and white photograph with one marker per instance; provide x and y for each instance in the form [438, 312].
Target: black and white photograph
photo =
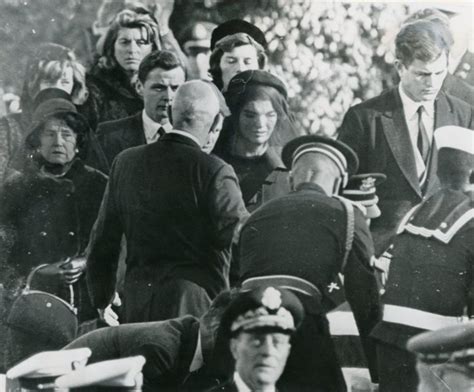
[236, 196]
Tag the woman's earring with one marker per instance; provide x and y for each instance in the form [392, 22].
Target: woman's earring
[76, 150]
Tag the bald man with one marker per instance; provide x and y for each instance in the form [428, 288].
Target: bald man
[178, 208]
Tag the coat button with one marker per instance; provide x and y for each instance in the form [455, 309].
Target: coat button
[72, 234]
[43, 234]
[149, 284]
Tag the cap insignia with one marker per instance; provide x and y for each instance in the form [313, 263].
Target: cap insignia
[271, 298]
[367, 184]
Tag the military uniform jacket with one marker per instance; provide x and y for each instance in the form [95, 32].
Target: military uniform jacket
[178, 208]
[376, 129]
[432, 265]
[303, 235]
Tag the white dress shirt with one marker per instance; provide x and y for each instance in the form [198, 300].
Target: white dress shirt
[151, 128]
[242, 386]
[410, 108]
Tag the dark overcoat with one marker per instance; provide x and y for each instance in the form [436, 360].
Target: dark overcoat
[118, 135]
[168, 347]
[178, 208]
[377, 131]
[111, 96]
[45, 220]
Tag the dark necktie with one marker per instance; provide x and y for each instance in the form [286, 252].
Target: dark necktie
[423, 141]
[159, 133]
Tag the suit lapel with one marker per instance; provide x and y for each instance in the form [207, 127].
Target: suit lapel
[134, 134]
[444, 115]
[396, 132]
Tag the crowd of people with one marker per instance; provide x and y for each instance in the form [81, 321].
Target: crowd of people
[162, 219]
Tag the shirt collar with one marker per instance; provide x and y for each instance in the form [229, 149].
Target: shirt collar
[186, 134]
[148, 123]
[410, 107]
[242, 386]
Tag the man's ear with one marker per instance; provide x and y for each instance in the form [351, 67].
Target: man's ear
[291, 181]
[139, 88]
[336, 189]
[233, 347]
[216, 125]
[398, 66]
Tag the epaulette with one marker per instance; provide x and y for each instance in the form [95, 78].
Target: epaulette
[440, 217]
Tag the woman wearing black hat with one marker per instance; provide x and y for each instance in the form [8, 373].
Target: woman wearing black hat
[259, 124]
[47, 210]
[237, 46]
[50, 66]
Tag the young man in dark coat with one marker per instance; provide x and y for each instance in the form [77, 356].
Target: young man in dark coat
[178, 208]
[393, 132]
[430, 281]
[301, 241]
[159, 76]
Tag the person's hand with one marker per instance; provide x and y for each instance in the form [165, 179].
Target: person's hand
[73, 269]
[54, 271]
[107, 315]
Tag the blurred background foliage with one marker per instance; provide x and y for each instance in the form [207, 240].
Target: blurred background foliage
[330, 54]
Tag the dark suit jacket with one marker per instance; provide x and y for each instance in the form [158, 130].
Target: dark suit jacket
[377, 131]
[168, 347]
[118, 135]
[178, 208]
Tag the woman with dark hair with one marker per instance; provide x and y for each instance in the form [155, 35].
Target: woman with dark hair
[47, 209]
[50, 66]
[236, 46]
[233, 54]
[111, 81]
[252, 137]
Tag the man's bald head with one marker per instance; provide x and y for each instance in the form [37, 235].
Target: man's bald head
[195, 109]
[317, 169]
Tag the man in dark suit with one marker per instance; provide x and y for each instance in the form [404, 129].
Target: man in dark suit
[178, 208]
[159, 76]
[392, 133]
[456, 81]
[174, 349]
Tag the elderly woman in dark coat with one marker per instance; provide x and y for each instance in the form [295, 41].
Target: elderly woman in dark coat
[47, 210]
[111, 81]
[252, 137]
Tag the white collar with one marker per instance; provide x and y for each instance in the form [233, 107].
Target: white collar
[242, 386]
[410, 107]
[198, 359]
[148, 123]
[188, 135]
